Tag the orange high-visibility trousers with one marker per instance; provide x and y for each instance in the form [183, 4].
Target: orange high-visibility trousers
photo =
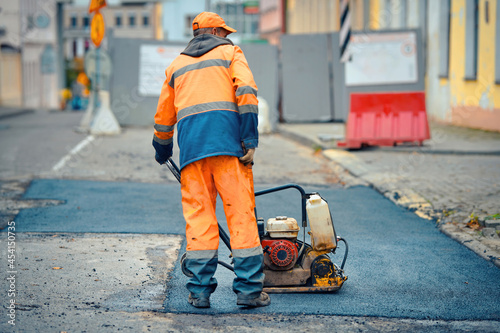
[200, 182]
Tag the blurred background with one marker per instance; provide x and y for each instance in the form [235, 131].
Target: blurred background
[447, 49]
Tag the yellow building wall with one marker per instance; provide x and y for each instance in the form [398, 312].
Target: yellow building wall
[474, 103]
[356, 7]
[157, 12]
[312, 16]
[319, 16]
[375, 12]
[11, 90]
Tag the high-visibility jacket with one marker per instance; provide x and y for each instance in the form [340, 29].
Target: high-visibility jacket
[210, 93]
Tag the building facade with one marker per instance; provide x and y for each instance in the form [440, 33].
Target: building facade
[462, 43]
[28, 58]
[178, 18]
[124, 19]
[32, 63]
[272, 20]
[306, 16]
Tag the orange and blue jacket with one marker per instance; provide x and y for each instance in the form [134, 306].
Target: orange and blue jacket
[210, 93]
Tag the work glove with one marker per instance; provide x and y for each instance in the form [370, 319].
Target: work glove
[163, 153]
[161, 159]
[248, 157]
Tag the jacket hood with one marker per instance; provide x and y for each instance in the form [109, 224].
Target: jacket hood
[204, 43]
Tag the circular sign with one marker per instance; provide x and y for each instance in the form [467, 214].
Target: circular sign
[408, 48]
[42, 21]
[97, 29]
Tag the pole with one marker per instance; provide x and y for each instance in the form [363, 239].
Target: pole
[60, 45]
[96, 86]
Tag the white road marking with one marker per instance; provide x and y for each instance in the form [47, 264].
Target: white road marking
[85, 142]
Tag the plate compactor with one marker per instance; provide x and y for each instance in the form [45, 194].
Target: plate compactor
[291, 265]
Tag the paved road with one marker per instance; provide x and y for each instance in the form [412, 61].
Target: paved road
[31, 144]
[399, 265]
[99, 235]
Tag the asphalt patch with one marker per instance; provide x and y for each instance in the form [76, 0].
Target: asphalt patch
[103, 207]
[399, 265]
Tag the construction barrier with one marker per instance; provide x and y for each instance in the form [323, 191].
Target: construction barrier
[386, 119]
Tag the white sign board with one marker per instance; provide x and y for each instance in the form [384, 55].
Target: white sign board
[382, 59]
[153, 61]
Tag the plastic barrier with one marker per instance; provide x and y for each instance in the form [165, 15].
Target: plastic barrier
[386, 119]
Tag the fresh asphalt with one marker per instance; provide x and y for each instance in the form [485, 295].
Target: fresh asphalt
[399, 265]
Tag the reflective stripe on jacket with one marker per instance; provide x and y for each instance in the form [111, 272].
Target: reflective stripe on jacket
[210, 93]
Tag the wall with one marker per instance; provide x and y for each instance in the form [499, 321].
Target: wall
[10, 55]
[474, 103]
[30, 32]
[176, 15]
[312, 16]
[263, 62]
[79, 36]
[131, 107]
[437, 89]
[10, 79]
[271, 20]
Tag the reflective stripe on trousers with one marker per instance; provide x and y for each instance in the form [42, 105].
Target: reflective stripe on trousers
[200, 183]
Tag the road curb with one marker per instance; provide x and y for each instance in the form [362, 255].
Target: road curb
[8, 113]
[434, 151]
[383, 183]
[453, 231]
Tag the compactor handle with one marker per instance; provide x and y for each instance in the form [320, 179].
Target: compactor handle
[174, 169]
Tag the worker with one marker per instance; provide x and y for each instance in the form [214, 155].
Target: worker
[210, 94]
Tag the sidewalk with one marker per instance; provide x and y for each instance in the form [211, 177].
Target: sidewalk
[453, 179]
[8, 111]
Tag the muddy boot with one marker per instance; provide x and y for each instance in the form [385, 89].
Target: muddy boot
[199, 302]
[262, 300]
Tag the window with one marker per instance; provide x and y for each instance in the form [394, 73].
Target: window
[444, 37]
[471, 38]
[118, 20]
[86, 22]
[145, 20]
[74, 48]
[73, 21]
[131, 20]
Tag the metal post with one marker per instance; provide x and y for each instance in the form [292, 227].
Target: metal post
[60, 45]
[96, 88]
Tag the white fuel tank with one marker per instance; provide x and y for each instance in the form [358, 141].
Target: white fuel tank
[282, 227]
[320, 221]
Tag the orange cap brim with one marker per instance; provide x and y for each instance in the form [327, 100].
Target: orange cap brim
[228, 28]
